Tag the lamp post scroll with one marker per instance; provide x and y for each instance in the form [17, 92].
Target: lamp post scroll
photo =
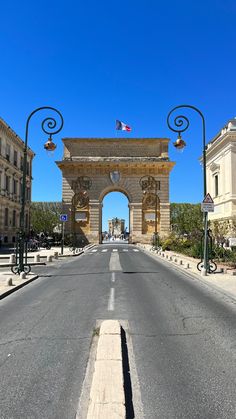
[50, 126]
[181, 124]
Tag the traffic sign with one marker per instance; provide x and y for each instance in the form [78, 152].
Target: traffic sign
[208, 199]
[207, 207]
[63, 217]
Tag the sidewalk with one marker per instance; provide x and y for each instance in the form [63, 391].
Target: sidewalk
[10, 282]
[224, 281]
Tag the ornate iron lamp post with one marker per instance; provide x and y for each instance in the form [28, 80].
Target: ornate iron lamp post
[150, 185]
[49, 126]
[181, 124]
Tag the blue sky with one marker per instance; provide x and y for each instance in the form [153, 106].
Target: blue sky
[130, 60]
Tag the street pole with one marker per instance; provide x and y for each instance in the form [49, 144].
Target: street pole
[48, 126]
[63, 237]
[181, 124]
[155, 214]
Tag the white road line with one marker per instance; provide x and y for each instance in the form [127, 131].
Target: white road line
[114, 264]
[135, 250]
[115, 250]
[111, 301]
[125, 250]
[94, 250]
[104, 250]
[113, 277]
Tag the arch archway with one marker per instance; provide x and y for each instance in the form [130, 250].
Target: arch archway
[115, 217]
[98, 166]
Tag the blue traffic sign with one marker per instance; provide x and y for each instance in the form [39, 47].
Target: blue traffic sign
[63, 217]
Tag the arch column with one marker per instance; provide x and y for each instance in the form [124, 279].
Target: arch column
[165, 218]
[135, 222]
[95, 218]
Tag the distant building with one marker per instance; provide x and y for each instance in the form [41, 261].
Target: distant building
[221, 175]
[116, 226]
[11, 167]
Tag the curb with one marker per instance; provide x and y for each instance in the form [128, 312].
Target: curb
[107, 397]
[17, 287]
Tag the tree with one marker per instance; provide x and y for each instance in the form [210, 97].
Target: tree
[45, 216]
[186, 219]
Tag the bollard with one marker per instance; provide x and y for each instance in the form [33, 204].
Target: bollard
[171, 258]
[180, 262]
[22, 275]
[187, 266]
[36, 258]
[49, 258]
[167, 257]
[12, 258]
[9, 281]
[56, 255]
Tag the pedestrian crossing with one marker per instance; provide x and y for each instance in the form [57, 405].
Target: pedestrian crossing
[113, 250]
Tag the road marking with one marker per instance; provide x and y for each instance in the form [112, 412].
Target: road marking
[94, 250]
[125, 250]
[104, 250]
[114, 264]
[111, 301]
[113, 277]
[135, 250]
[115, 250]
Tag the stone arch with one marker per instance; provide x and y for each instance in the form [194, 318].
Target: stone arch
[103, 165]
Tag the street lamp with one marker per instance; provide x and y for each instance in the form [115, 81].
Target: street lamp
[181, 124]
[50, 127]
[149, 184]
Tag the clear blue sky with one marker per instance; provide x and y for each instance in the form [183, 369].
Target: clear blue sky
[98, 61]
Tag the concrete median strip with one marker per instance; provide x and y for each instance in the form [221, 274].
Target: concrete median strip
[107, 398]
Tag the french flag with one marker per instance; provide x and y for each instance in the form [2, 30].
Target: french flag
[121, 126]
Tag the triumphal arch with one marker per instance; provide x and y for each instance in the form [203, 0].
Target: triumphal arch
[137, 167]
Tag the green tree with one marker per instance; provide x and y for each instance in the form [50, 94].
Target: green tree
[186, 219]
[45, 216]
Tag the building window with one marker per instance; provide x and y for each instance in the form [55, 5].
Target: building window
[6, 214]
[15, 158]
[28, 194]
[21, 163]
[14, 218]
[15, 186]
[0, 146]
[216, 185]
[8, 152]
[7, 183]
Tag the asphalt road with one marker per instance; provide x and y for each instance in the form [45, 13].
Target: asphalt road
[182, 333]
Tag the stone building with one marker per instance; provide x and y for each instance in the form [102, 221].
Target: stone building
[116, 226]
[11, 166]
[93, 167]
[221, 175]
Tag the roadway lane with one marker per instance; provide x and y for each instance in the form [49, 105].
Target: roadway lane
[183, 335]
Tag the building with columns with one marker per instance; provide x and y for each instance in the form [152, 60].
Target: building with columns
[221, 175]
[11, 166]
[94, 167]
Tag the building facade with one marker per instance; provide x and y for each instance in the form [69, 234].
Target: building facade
[11, 167]
[116, 226]
[93, 167]
[221, 176]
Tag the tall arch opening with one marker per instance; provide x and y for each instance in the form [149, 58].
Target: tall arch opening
[115, 217]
